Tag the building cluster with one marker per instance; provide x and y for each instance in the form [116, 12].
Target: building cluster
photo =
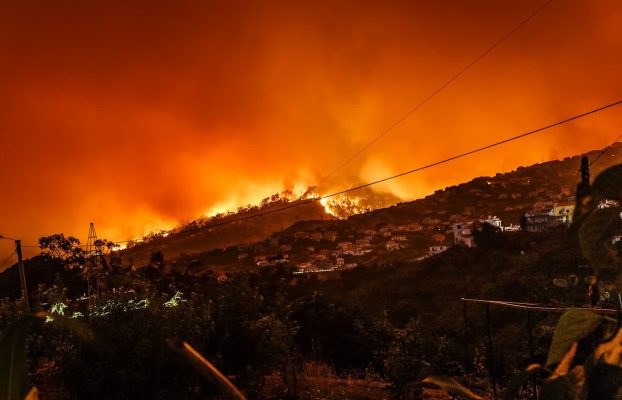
[547, 215]
[463, 233]
[355, 244]
[440, 226]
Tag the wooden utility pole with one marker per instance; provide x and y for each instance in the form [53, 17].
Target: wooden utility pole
[22, 274]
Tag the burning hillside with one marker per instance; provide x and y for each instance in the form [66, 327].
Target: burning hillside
[358, 202]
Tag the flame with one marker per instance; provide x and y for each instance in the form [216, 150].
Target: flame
[327, 207]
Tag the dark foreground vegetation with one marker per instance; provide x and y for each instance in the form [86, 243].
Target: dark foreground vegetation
[391, 324]
[371, 332]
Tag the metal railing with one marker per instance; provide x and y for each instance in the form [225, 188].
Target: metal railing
[529, 308]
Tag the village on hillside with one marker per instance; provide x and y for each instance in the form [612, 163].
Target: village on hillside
[535, 199]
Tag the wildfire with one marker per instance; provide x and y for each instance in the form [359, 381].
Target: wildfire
[366, 200]
[327, 207]
[341, 207]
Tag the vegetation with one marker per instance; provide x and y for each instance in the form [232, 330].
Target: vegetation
[275, 334]
[267, 329]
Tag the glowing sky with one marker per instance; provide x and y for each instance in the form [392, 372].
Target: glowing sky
[138, 114]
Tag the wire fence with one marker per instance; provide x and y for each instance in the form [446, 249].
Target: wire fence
[546, 315]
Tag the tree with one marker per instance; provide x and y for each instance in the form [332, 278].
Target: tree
[63, 248]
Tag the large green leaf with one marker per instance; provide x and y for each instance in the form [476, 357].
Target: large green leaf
[13, 368]
[452, 387]
[572, 327]
[594, 233]
[608, 184]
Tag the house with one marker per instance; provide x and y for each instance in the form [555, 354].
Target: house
[463, 234]
[345, 246]
[565, 190]
[539, 221]
[492, 220]
[301, 235]
[330, 235]
[607, 204]
[264, 264]
[304, 266]
[511, 228]
[392, 246]
[430, 221]
[261, 258]
[362, 243]
[437, 250]
[317, 257]
[387, 228]
[564, 212]
[357, 252]
[316, 236]
[543, 205]
[414, 227]
[438, 237]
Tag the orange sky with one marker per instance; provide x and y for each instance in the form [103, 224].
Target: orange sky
[136, 115]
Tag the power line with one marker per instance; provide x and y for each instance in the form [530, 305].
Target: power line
[434, 164]
[6, 238]
[606, 149]
[479, 149]
[427, 99]
[7, 260]
[421, 168]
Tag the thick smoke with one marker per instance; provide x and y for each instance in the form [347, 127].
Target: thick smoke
[136, 115]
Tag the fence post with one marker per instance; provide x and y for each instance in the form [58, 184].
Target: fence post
[491, 354]
[531, 354]
[467, 365]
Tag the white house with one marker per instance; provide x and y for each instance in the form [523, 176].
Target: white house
[463, 234]
[492, 220]
[437, 250]
[392, 246]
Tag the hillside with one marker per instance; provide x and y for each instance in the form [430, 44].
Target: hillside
[418, 224]
[308, 234]
[203, 240]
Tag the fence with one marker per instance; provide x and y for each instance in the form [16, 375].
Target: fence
[529, 308]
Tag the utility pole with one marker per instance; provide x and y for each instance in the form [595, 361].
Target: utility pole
[22, 274]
